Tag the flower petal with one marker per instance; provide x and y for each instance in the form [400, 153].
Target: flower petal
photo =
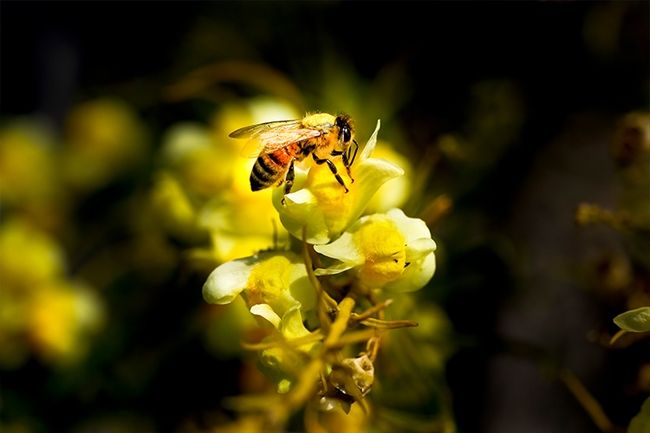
[334, 269]
[300, 287]
[416, 248]
[371, 174]
[388, 250]
[416, 275]
[343, 249]
[292, 326]
[372, 142]
[300, 209]
[265, 311]
[227, 281]
[412, 228]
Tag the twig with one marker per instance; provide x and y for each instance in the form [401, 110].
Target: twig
[587, 401]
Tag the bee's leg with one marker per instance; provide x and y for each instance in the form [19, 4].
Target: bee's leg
[288, 180]
[347, 163]
[333, 169]
[350, 156]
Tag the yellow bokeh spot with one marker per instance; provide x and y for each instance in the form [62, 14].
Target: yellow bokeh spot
[60, 316]
[384, 249]
[104, 128]
[171, 202]
[52, 322]
[27, 256]
[26, 164]
[207, 171]
[103, 138]
[242, 223]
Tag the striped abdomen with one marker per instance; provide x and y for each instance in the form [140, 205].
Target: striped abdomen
[270, 168]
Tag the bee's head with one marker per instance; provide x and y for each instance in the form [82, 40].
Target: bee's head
[349, 145]
[344, 124]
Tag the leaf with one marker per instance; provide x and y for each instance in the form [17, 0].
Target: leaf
[637, 320]
[641, 422]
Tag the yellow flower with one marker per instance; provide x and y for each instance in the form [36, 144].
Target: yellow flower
[389, 251]
[228, 327]
[281, 363]
[61, 316]
[27, 166]
[40, 311]
[202, 164]
[241, 224]
[103, 138]
[170, 202]
[272, 284]
[29, 260]
[27, 257]
[212, 171]
[321, 206]
[276, 289]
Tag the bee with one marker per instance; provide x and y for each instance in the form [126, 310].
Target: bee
[284, 142]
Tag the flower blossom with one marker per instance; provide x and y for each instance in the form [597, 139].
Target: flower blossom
[272, 284]
[276, 288]
[389, 251]
[320, 205]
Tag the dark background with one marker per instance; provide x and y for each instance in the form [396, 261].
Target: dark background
[518, 316]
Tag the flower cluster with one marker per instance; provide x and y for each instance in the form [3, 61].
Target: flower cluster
[41, 310]
[201, 186]
[47, 311]
[322, 299]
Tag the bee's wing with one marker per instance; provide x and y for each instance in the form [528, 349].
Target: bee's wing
[275, 139]
[253, 130]
[267, 137]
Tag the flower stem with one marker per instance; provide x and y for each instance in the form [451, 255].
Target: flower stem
[341, 323]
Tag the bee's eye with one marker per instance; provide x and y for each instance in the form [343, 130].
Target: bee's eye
[346, 134]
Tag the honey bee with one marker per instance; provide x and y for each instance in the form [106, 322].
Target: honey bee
[284, 142]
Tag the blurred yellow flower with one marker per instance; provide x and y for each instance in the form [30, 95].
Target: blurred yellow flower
[202, 164]
[28, 257]
[205, 184]
[40, 310]
[103, 139]
[171, 203]
[27, 164]
[241, 228]
[61, 315]
[228, 327]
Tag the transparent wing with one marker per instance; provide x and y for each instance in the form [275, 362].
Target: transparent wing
[252, 130]
[268, 140]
